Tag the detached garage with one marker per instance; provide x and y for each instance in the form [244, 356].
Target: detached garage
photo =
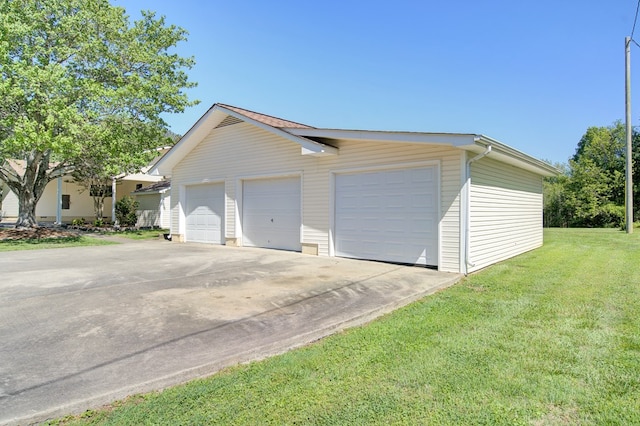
[456, 202]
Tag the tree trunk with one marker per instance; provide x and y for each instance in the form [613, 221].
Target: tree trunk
[98, 206]
[27, 210]
[30, 186]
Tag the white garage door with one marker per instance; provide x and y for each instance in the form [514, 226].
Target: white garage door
[271, 213]
[388, 215]
[205, 213]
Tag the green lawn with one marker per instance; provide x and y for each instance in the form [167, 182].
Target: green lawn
[549, 338]
[48, 243]
[139, 234]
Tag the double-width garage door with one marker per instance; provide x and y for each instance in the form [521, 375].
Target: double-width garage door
[388, 215]
[271, 213]
[205, 213]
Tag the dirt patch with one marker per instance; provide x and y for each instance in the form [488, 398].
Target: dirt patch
[38, 233]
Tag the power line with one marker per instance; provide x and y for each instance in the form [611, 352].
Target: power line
[635, 19]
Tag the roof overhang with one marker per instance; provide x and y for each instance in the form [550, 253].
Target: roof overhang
[506, 154]
[468, 142]
[210, 120]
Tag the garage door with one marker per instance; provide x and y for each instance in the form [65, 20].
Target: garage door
[388, 215]
[205, 213]
[271, 213]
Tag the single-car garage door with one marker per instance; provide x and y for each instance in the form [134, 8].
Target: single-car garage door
[271, 213]
[205, 213]
[388, 215]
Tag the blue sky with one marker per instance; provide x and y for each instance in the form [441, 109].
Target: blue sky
[532, 74]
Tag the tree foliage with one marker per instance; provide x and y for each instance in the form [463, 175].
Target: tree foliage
[126, 214]
[82, 86]
[591, 190]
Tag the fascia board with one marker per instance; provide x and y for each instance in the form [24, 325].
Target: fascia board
[164, 166]
[510, 155]
[451, 139]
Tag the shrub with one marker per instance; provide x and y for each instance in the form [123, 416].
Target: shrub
[126, 211]
[99, 223]
[78, 222]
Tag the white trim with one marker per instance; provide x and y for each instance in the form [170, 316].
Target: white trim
[453, 139]
[463, 203]
[182, 215]
[59, 201]
[467, 242]
[398, 166]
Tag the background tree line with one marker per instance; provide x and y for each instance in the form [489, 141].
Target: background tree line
[590, 191]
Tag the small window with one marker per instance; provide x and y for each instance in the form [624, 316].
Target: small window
[101, 191]
[138, 186]
[66, 201]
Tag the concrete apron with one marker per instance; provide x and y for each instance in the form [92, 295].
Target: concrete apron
[82, 327]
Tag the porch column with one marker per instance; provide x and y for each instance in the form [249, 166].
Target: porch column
[59, 204]
[113, 200]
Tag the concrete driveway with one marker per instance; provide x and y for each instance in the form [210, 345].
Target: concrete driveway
[81, 327]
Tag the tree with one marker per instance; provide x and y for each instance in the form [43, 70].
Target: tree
[556, 199]
[591, 192]
[96, 168]
[82, 85]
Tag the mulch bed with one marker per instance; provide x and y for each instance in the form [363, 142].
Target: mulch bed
[13, 234]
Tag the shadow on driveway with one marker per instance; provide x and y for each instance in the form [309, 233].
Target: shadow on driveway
[81, 327]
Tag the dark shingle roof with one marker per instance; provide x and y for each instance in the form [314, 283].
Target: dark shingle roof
[266, 119]
[154, 187]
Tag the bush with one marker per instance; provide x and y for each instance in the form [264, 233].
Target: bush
[126, 211]
[78, 222]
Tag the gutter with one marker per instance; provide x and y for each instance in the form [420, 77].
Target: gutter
[467, 242]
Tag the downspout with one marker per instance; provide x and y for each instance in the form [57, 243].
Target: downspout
[467, 242]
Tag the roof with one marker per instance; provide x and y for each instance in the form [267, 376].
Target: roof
[319, 142]
[161, 186]
[218, 115]
[266, 119]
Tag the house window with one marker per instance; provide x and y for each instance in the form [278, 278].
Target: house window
[138, 186]
[101, 191]
[66, 201]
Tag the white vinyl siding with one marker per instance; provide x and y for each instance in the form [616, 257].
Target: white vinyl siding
[165, 210]
[242, 151]
[149, 212]
[9, 206]
[506, 212]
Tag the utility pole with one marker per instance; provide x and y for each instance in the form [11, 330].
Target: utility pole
[629, 167]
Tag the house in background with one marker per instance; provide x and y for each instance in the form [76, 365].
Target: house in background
[64, 200]
[456, 202]
[154, 207]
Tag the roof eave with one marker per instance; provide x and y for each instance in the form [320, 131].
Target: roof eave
[510, 155]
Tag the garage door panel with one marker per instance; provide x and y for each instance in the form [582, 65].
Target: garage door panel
[205, 213]
[387, 215]
[271, 213]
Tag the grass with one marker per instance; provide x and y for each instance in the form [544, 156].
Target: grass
[49, 243]
[551, 337]
[139, 234]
